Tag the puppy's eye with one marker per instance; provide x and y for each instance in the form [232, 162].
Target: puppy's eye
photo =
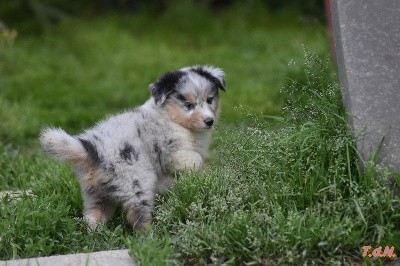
[210, 100]
[189, 106]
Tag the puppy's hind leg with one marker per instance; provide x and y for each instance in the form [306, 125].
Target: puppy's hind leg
[98, 209]
[140, 204]
[98, 215]
[139, 215]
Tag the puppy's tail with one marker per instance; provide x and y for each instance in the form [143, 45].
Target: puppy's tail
[58, 144]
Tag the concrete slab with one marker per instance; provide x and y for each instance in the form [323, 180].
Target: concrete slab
[102, 258]
[367, 41]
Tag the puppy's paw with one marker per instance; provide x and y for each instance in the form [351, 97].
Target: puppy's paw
[187, 160]
[93, 223]
[138, 220]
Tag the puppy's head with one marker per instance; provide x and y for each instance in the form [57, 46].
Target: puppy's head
[190, 96]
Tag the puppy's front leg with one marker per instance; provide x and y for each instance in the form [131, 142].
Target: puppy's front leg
[187, 160]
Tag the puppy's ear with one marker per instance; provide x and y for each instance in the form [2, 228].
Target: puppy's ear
[164, 86]
[213, 74]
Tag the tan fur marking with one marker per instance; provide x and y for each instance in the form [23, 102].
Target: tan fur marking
[196, 119]
[98, 212]
[176, 114]
[92, 177]
[191, 98]
[132, 216]
[133, 219]
[74, 158]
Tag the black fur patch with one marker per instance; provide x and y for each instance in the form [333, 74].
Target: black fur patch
[91, 150]
[106, 183]
[110, 188]
[145, 203]
[157, 150]
[90, 190]
[172, 143]
[200, 71]
[136, 185]
[139, 132]
[128, 153]
[110, 168]
[139, 193]
[165, 85]
[180, 97]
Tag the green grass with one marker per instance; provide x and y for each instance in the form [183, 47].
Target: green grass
[280, 188]
[85, 69]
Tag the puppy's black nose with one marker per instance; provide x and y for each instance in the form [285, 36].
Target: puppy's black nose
[209, 121]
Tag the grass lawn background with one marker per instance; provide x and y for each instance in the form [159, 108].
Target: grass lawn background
[278, 190]
[87, 68]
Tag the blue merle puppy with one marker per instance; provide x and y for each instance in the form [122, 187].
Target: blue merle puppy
[127, 158]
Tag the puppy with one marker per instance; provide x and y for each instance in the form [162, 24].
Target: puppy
[127, 158]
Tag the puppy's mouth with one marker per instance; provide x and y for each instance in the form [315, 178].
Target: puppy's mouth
[204, 128]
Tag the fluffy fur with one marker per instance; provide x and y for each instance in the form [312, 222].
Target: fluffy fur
[127, 158]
